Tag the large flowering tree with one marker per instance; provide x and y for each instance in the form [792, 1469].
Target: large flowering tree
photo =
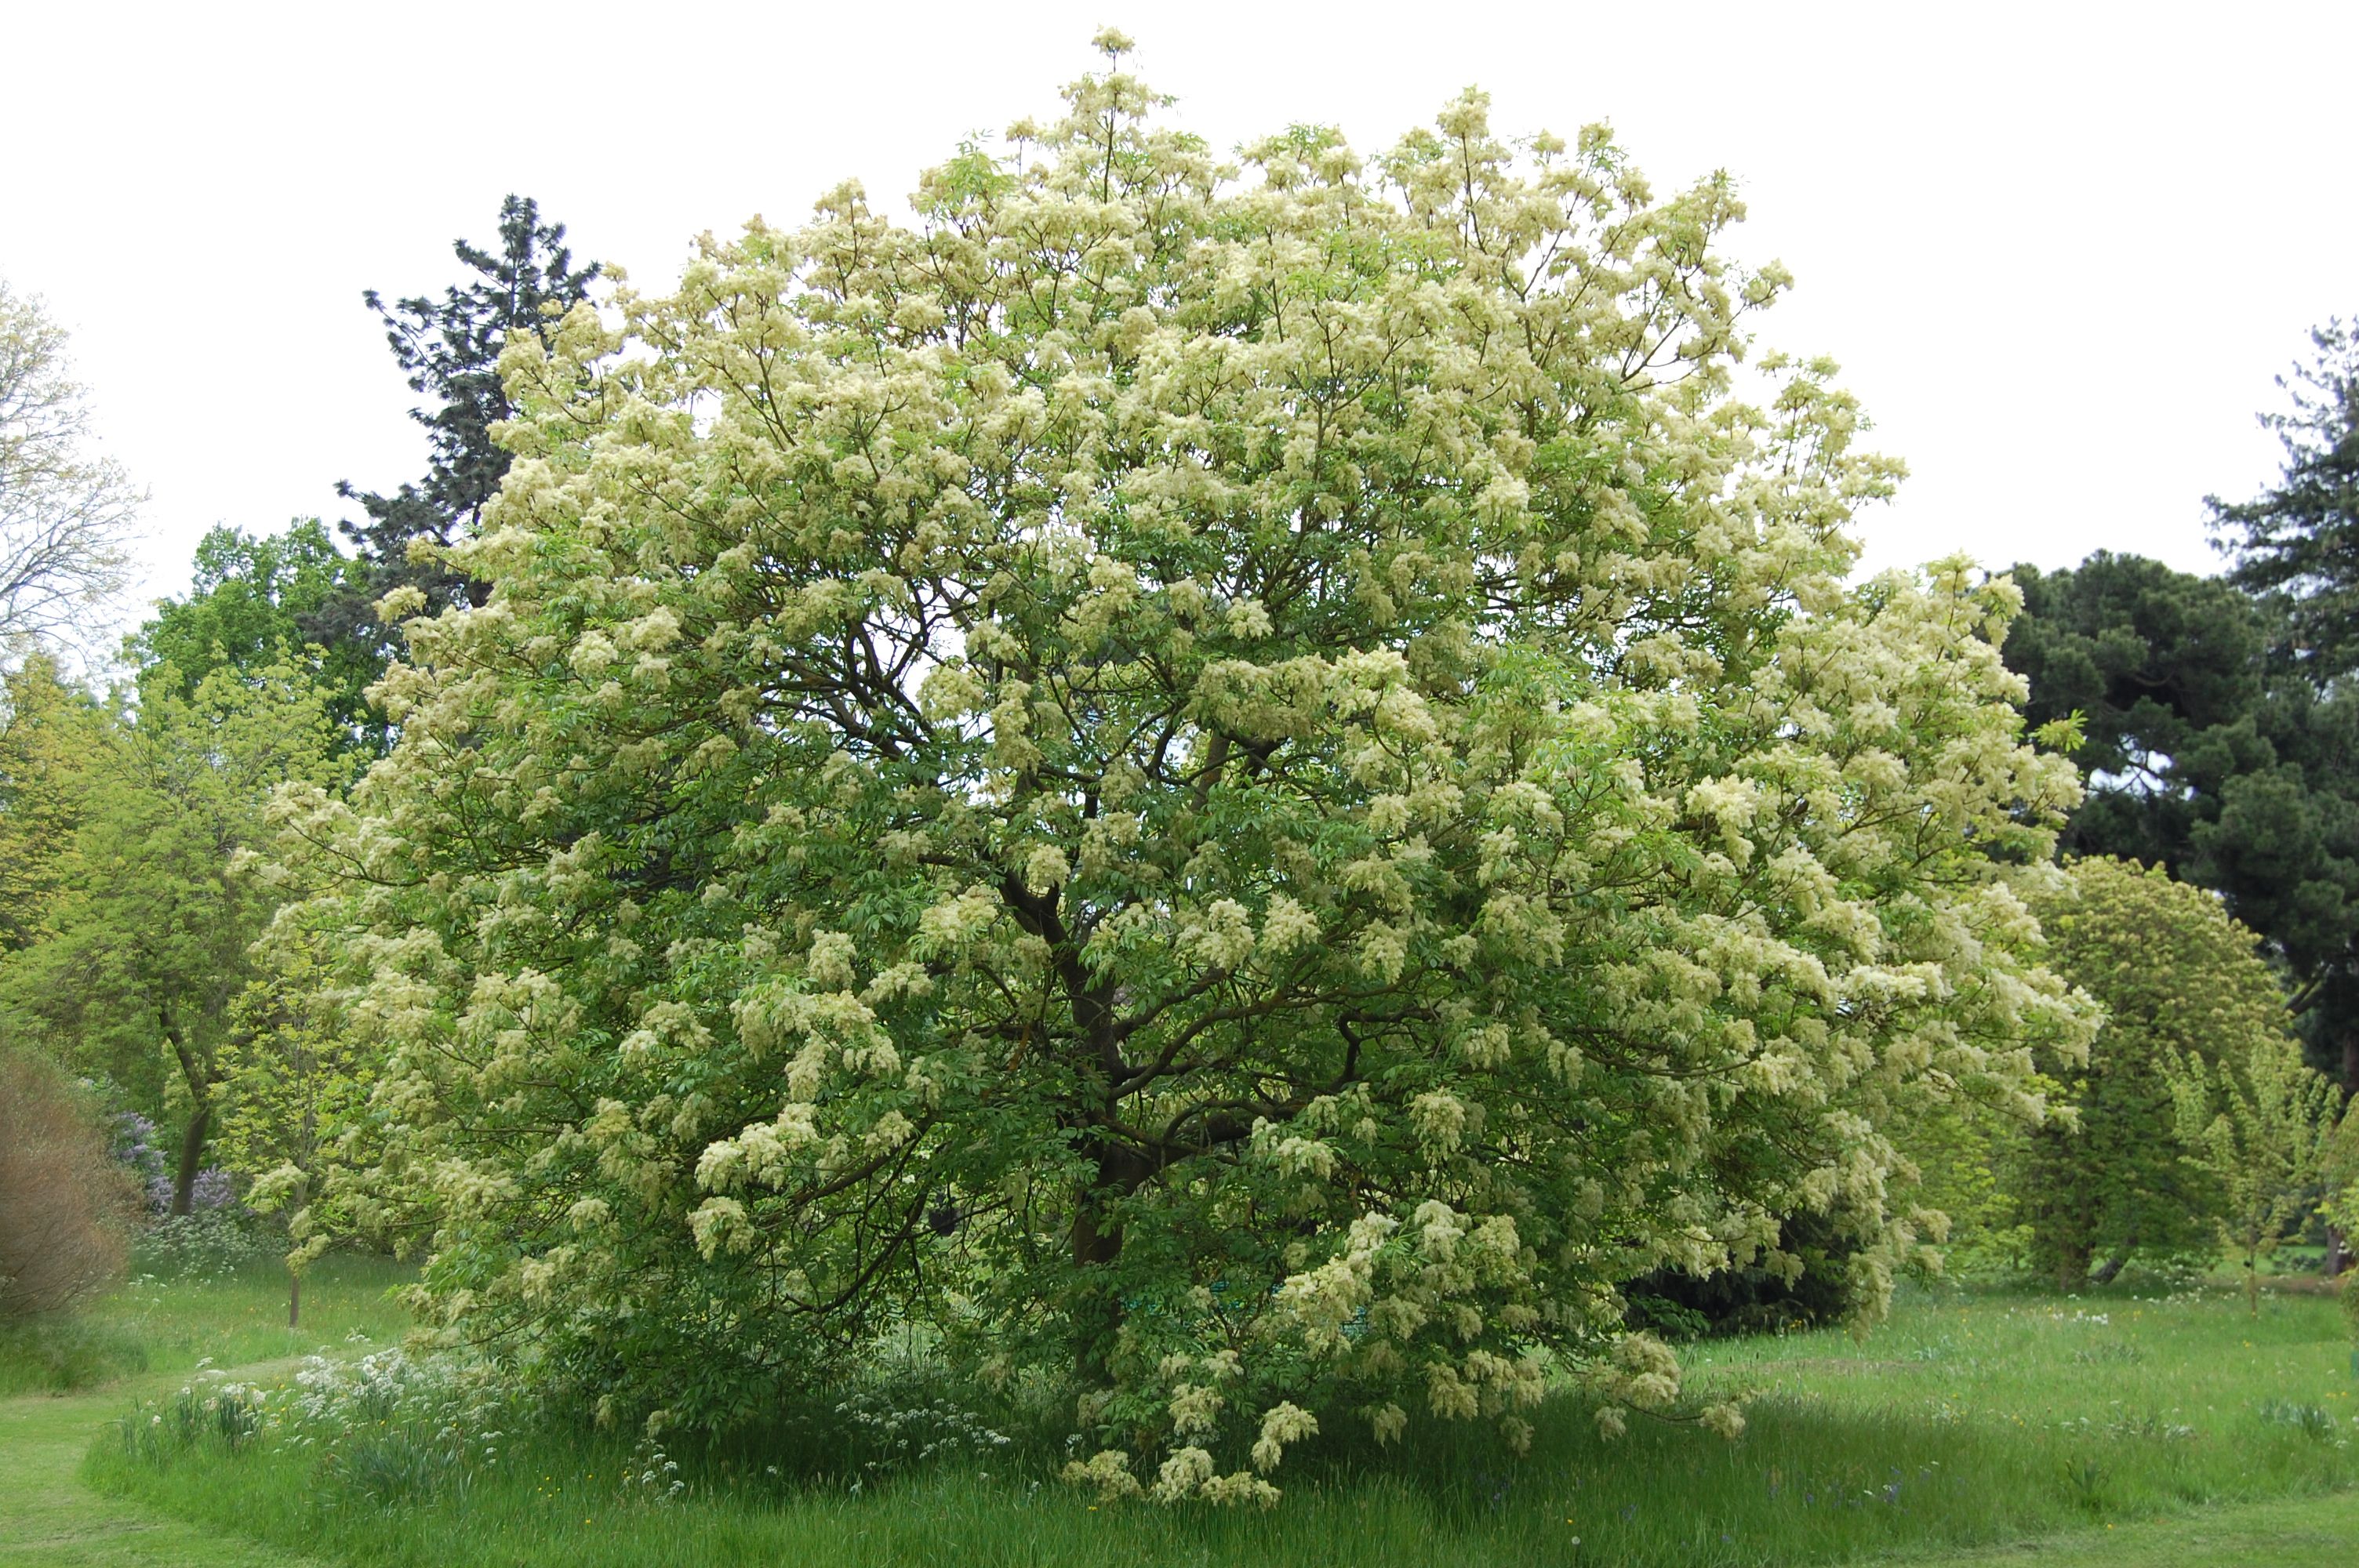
[1247, 785]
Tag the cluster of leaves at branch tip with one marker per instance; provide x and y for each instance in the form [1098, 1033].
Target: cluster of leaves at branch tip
[1241, 787]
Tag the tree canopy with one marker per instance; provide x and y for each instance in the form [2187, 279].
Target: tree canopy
[2300, 540]
[2206, 753]
[258, 600]
[1246, 786]
[66, 511]
[138, 947]
[2181, 982]
[449, 350]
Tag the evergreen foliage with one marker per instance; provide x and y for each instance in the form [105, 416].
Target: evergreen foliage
[450, 348]
[2206, 754]
[2300, 539]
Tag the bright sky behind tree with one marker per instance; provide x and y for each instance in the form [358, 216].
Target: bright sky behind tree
[2060, 248]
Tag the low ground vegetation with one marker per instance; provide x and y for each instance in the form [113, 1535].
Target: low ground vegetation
[232, 1315]
[1973, 1416]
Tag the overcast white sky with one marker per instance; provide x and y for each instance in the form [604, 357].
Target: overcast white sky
[2060, 248]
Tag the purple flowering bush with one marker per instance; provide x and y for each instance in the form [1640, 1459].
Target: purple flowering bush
[219, 1233]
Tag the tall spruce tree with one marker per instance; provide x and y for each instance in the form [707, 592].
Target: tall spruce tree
[449, 348]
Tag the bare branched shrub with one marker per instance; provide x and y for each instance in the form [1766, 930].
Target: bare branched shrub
[65, 1205]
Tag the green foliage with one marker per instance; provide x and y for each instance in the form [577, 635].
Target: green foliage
[2166, 671]
[2260, 1128]
[257, 601]
[1965, 1154]
[2206, 754]
[2179, 979]
[450, 348]
[142, 944]
[2300, 539]
[296, 1082]
[51, 739]
[1240, 794]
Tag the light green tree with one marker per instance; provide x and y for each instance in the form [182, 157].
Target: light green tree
[141, 945]
[53, 736]
[1246, 787]
[2181, 981]
[2261, 1128]
[66, 511]
[295, 1087]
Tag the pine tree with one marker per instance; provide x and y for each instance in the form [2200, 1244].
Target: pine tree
[2300, 539]
[449, 348]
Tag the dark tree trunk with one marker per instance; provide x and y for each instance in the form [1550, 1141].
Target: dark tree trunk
[193, 1156]
[294, 1299]
[1097, 1242]
[197, 1072]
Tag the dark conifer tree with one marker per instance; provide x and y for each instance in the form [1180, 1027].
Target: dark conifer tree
[2209, 752]
[2300, 539]
[449, 348]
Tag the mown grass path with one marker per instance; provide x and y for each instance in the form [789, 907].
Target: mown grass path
[2292, 1532]
[48, 1519]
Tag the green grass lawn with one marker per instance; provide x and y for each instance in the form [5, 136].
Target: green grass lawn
[2110, 1429]
[167, 1326]
[69, 1379]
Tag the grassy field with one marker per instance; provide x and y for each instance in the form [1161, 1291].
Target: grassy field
[62, 1383]
[167, 1326]
[2112, 1429]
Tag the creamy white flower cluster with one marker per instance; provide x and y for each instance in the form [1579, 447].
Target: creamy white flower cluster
[1254, 786]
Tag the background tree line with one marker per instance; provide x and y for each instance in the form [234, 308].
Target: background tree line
[134, 790]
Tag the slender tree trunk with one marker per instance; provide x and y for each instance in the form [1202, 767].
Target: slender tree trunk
[2252, 1280]
[192, 1155]
[294, 1299]
[196, 1073]
[2339, 1250]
